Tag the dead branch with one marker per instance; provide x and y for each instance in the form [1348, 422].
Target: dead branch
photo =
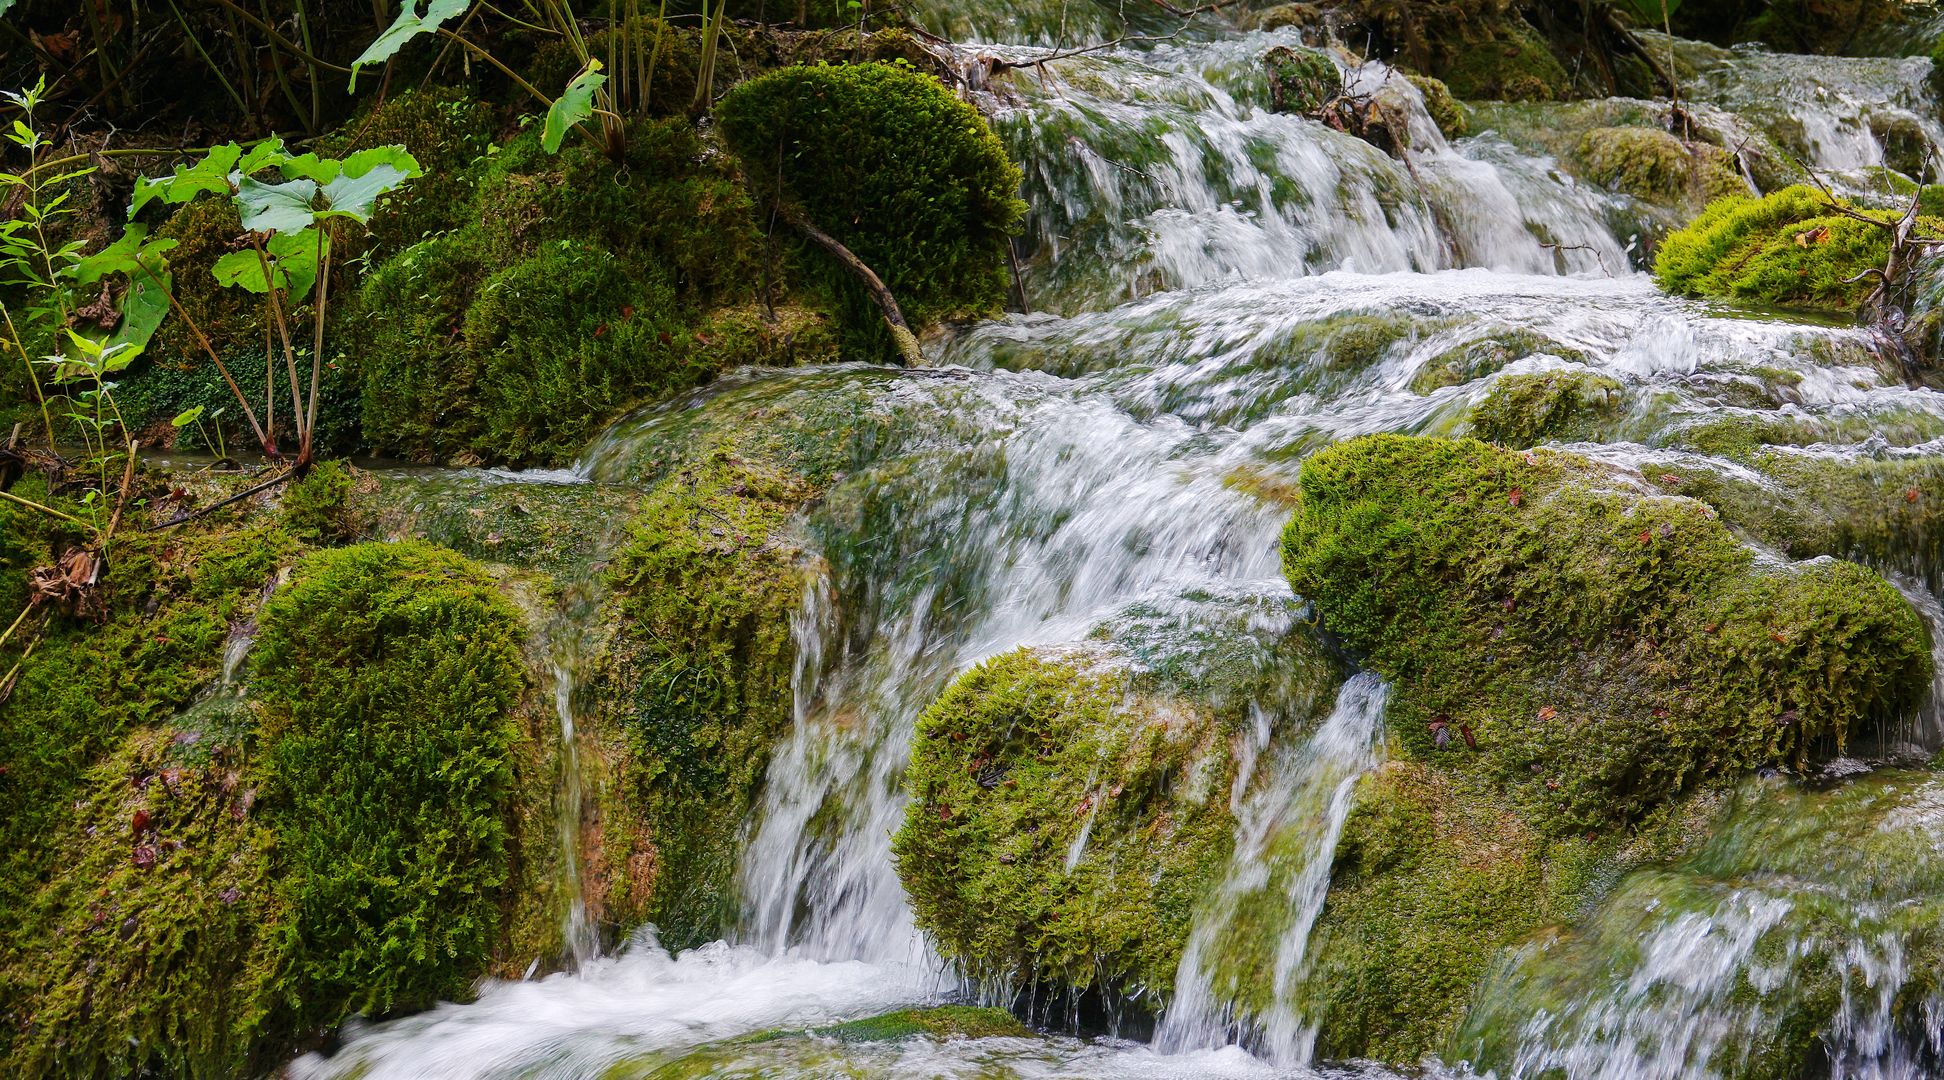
[236, 498]
[894, 319]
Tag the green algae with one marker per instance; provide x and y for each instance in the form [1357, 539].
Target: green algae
[937, 1022]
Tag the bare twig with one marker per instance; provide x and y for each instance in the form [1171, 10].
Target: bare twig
[236, 498]
[894, 319]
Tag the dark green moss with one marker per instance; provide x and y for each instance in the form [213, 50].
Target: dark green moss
[449, 133]
[896, 167]
[317, 508]
[418, 381]
[1643, 162]
[388, 675]
[1524, 410]
[1605, 650]
[1509, 61]
[1485, 355]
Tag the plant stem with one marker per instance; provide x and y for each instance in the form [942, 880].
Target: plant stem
[504, 70]
[202, 339]
[317, 347]
[292, 47]
[283, 332]
[31, 504]
[32, 378]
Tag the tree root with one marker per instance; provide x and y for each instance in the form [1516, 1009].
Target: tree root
[894, 319]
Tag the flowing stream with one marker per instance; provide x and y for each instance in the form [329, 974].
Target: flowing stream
[1216, 291]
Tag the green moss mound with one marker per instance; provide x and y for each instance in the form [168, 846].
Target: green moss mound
[897, 168]
[1602, 649]
[388, 679]
[1644, 162]
[1301, 80]
[1486, 355]
[1035, 760]
[706, 581]
[1501, 59]
[1524, 410]
[1787, 249]
[449, 132]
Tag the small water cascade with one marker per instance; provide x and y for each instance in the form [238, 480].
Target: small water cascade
[581, 936]
[1218, 290]
[1287, 832]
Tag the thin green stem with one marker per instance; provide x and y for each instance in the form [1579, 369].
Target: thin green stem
[32, 505]
[32, 378]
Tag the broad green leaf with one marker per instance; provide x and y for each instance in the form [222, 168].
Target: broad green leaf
[212, 173]
[187, 416]
[263, 154]
[292, 259]
[575, 104]
[5, 5]
[311, 167]
[144, 307]
[408, 25]
[127, 255]
[276, 208]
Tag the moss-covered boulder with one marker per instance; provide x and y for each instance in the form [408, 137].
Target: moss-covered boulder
[1792, 248]
[893, 165]
[1434, 876]
[1486, 354]
[1593, 650]
[1651, 164]
[1061, 832]
[1500, 59]
[1526, 409]
[449, 133]
[1301, 80]
[1073, 807]
[1445, 110]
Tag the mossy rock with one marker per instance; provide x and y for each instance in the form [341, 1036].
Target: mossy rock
[937, 1022]
[1524, 410]
[1434, 876]
[1062, 831]
[1301, 80]
[1512, 64]
[706, 581]
[1485, 356]
[1445, 110]
[449, 133]
[1789, 249]
[893, 165]
[391, 753]
[1643, 162]
[1601, 651]
[1281, 16]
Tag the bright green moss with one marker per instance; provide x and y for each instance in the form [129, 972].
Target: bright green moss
[896, 167]
[1785, 249]
[387, 676]
[707, 581]
[938, 1022]
[1606, 650]
[1301, 80]
[564, 341]
[1524, 410]
[1060, 831]
[317, 508]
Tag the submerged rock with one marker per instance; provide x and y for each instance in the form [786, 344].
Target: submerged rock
[1523, 410]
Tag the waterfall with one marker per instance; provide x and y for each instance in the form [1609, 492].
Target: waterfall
[1217, 290]
[1287, 833]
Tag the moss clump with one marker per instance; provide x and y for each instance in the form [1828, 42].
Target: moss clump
[1786, 249]
[154, 949]
[1034, 761]
[418, 383]
[1643, 162]
[707, 582]
[449, 133]
[1483, 356]
[1433, 876]
[1523, 410]
[388, 679]
[1511, 64]
[317, 508]
[1445, 110]
[1301, 80]
[897, 168]
[1602, 650]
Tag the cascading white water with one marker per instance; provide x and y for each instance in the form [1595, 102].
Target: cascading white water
[1286, 837]
[1234, 288]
